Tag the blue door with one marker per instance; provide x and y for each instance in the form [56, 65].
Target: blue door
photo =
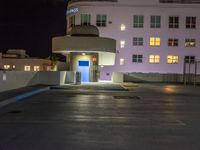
[84, 68]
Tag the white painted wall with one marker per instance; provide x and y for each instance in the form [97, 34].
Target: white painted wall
[19, 79]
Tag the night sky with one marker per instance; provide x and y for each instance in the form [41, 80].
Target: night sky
[30, 24]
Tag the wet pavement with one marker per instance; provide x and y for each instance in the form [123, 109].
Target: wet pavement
[148, 117]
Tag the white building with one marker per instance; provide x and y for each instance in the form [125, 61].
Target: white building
[152, 36]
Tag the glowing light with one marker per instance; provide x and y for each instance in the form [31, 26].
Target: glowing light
[123, 27]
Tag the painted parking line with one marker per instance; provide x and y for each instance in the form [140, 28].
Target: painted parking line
[29, 94]
[22, 96]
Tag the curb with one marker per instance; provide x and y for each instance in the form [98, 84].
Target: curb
[22, 96]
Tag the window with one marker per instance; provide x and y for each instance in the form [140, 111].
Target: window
[137, 58]
[123, 27]
[173, 22]
[36, 68]
[137, 41]
[155, 21]
[121, 61]
[101, 20]
[138, 21]
[85, 19]
[190, 43]
[154, 59]
[190, 22]
[72, 21]
[189, 59]
[172, 59]
[27, 68]
[154, 41]
[122, 44]
[172, 42]
[6, 66]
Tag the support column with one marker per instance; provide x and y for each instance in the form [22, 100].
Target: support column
[68, 61]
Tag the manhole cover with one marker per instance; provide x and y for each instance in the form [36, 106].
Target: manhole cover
[15, 111]
[126, 97]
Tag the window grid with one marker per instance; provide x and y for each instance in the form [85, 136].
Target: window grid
[137, 41]
[101, 20]
[85, 19]
[155, 21]
[154, 59]
[137, 58]
[172, 59]
[190, 42]
[138, 21]
[173, 22]
[190, 22]
[172, 42]
[189, 59]
[154, 41]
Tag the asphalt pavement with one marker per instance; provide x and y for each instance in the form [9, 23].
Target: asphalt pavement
[147, 117]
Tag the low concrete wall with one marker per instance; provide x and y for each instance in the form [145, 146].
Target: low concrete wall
[16, 79]
[152, 77]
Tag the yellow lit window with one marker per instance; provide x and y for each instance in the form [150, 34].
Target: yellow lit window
[123, 27]
[154, 41]
[27, 68]
[154, 59]
[172, 59]
[36, 68]
[121, 61]
[122, 44]
[6, 66]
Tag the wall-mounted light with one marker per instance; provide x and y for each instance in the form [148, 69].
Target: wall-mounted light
[122, 44]
[123, 27]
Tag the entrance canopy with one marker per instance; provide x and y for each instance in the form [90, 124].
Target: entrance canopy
[105, 47]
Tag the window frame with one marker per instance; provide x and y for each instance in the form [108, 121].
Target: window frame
[154, 59]
[138, 41]
[138, 21]
[173, 22]
[155, 22]
[100, 22]
[137, 58]
[85, 19]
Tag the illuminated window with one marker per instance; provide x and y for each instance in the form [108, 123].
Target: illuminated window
[27, 68]
[189, 59]
[121, 61]
[155, 21]
[122, 44]
[101, 20]
[137, 41]
[85, 19]
[154, 59]
[123, 27]
[173, 22]
[172, 42]
[138, 21]
[172, 59]
[6, 66]
[190, 42]
[190, 22]
[137, 58]
[36, 68]
[72, 21]
[154, 41]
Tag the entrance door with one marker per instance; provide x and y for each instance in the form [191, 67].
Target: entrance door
[84, 68]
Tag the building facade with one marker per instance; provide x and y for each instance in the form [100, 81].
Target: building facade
[152, 36]
[18, 60]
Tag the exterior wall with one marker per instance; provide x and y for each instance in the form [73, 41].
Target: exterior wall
[17, 79]
[122, 13]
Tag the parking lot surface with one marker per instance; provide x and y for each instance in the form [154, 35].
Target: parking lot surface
[147, 117]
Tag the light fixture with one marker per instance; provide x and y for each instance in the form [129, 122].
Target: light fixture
[123, 27]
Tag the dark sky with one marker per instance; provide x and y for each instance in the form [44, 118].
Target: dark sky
[30, 24]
